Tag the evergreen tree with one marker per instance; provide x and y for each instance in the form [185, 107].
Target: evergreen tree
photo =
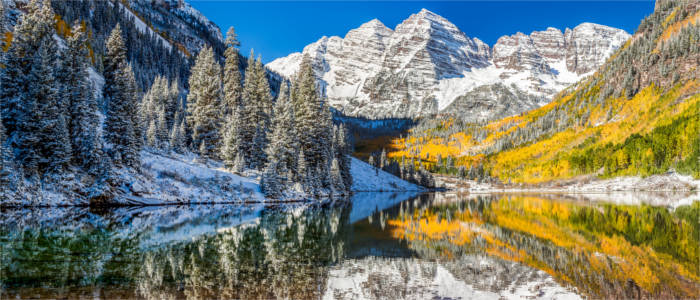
[270, 181]
[316, 140]
[122, 128]
[343, 154]
[205, 103]
[53, 137]
[85, 142]
[262, 104]
[254, 120]
[177, 137]
[232, 75]
[232, 100]
[245, 132]
[9, 173]
[281, 151]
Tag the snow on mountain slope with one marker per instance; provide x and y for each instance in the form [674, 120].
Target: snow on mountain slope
[177, 20]
[426, 63]
[366, 178]
[466, 277]
[141, 26]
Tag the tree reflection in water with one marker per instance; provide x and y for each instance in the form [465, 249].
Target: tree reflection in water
[443, 245]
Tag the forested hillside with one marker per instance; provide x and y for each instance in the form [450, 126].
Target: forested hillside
[89, 118]
[639, 114]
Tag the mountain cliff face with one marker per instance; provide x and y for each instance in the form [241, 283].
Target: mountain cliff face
[426, 63]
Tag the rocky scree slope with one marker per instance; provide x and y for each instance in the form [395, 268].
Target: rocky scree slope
[426, 64]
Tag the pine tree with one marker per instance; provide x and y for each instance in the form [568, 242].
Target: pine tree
[232, 76]
[122, 128]
[246, 114]
[254, 117]
[230, 148]
[53, 137]
[177, 137]
[383, 162]
[205, 103]
[316, 138]
[344, 156]
[9, 173]
[270, 181]
[19, 110]
[281, 151]
[262, 104]
[85, 142]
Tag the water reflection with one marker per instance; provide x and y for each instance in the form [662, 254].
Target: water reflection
[380, 246]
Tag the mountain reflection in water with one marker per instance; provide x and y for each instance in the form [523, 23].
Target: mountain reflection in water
[381, 245]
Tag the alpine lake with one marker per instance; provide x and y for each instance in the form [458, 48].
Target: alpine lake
[375, 246]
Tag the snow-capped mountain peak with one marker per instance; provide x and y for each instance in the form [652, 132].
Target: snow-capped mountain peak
[427, 63]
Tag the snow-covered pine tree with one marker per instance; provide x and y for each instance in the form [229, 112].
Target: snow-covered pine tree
[177, 137]
[9, 173]
[383, 161]
[151, 134]
[337, 181]
[246, 114]
[54, 140]
[205, 104]
[83, 126]
[282, 149]
[19, 111]
[230, 148]
[123, 126]
[261, 100]
[306, 102]
[343, 153]
[270, 181]
[162, 132]
[133, 155]
[233, 90]
[254, 117]
[172, 107]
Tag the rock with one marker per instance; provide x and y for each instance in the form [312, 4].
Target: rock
[427, 63]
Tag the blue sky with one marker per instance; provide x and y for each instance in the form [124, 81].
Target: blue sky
[275, 29]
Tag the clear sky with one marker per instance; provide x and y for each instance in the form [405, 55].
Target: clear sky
[275, 29]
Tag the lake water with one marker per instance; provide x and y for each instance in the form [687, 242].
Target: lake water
[380, 245]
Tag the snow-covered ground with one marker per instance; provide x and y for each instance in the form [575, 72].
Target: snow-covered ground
[370, 179]
[670, 189]
[668, 182]
[183, 179]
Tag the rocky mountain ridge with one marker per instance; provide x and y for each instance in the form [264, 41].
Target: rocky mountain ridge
[426, 64]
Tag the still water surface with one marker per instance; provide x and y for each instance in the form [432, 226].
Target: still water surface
[380, 245]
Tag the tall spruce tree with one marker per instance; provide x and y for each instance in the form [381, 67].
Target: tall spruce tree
[255, 110]
[312, 118]
[246, 115]
[282, 150]
[205, 104]
[53, 138]
[233, 91]
[123, 120]
[83, 127]
[9, 173]
[19, 110]
[263, 110]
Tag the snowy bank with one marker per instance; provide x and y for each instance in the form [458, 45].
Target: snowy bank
[370, 179]
[181, 179]
[668, 182]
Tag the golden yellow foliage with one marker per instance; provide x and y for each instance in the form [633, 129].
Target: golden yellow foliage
[676, 27]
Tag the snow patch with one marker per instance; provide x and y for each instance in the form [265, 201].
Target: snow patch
[370, 179]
